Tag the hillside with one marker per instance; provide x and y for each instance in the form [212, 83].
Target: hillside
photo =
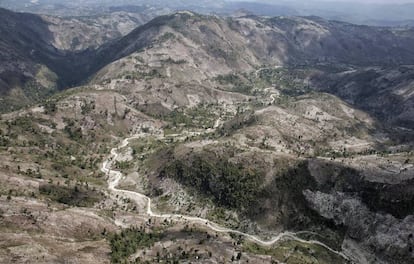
[208, 139]
[278, 41]
[50, 56]
[318, 55]
[41, 55]
[385, 92]
[90, 32]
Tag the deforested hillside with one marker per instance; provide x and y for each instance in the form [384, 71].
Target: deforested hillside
[277, 41]
[225, 44]
[206, 139]
[40, 55]
[316, 54]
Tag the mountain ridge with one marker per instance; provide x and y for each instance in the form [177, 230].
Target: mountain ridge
[265, 126]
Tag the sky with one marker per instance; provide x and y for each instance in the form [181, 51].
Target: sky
[373, 1]
[356, 1]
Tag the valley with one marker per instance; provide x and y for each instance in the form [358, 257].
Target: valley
[115, 176]
[205, 139]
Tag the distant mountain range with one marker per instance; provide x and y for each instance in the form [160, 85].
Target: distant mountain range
[385, 14]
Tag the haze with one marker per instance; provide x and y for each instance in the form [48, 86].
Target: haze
[368, 12]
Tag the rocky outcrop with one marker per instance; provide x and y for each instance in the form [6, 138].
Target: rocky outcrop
[385, 236]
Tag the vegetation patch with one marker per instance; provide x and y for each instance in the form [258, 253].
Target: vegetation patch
[75, 196]
[294, 252]
[195, 117]
[140, 75]
[231, 185]
[25, 94]
[239, 84]
[284, 196]
[128, 241]
[123, 165]
[241, 187]
[73, 130]
[166, 36]
[241, 120]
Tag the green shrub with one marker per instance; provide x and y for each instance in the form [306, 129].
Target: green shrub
[75, 196]
[129, 241]
[239, 84]
[231, 185]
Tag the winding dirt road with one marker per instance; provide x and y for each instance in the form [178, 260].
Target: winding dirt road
[115, 176]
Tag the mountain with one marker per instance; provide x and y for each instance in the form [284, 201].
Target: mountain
[385, 92]
[212, 46]
[283, 41]
[81, 33]
[205, 139]
[366, 13]
[64, 49]
[26, 53]
[43, 54]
